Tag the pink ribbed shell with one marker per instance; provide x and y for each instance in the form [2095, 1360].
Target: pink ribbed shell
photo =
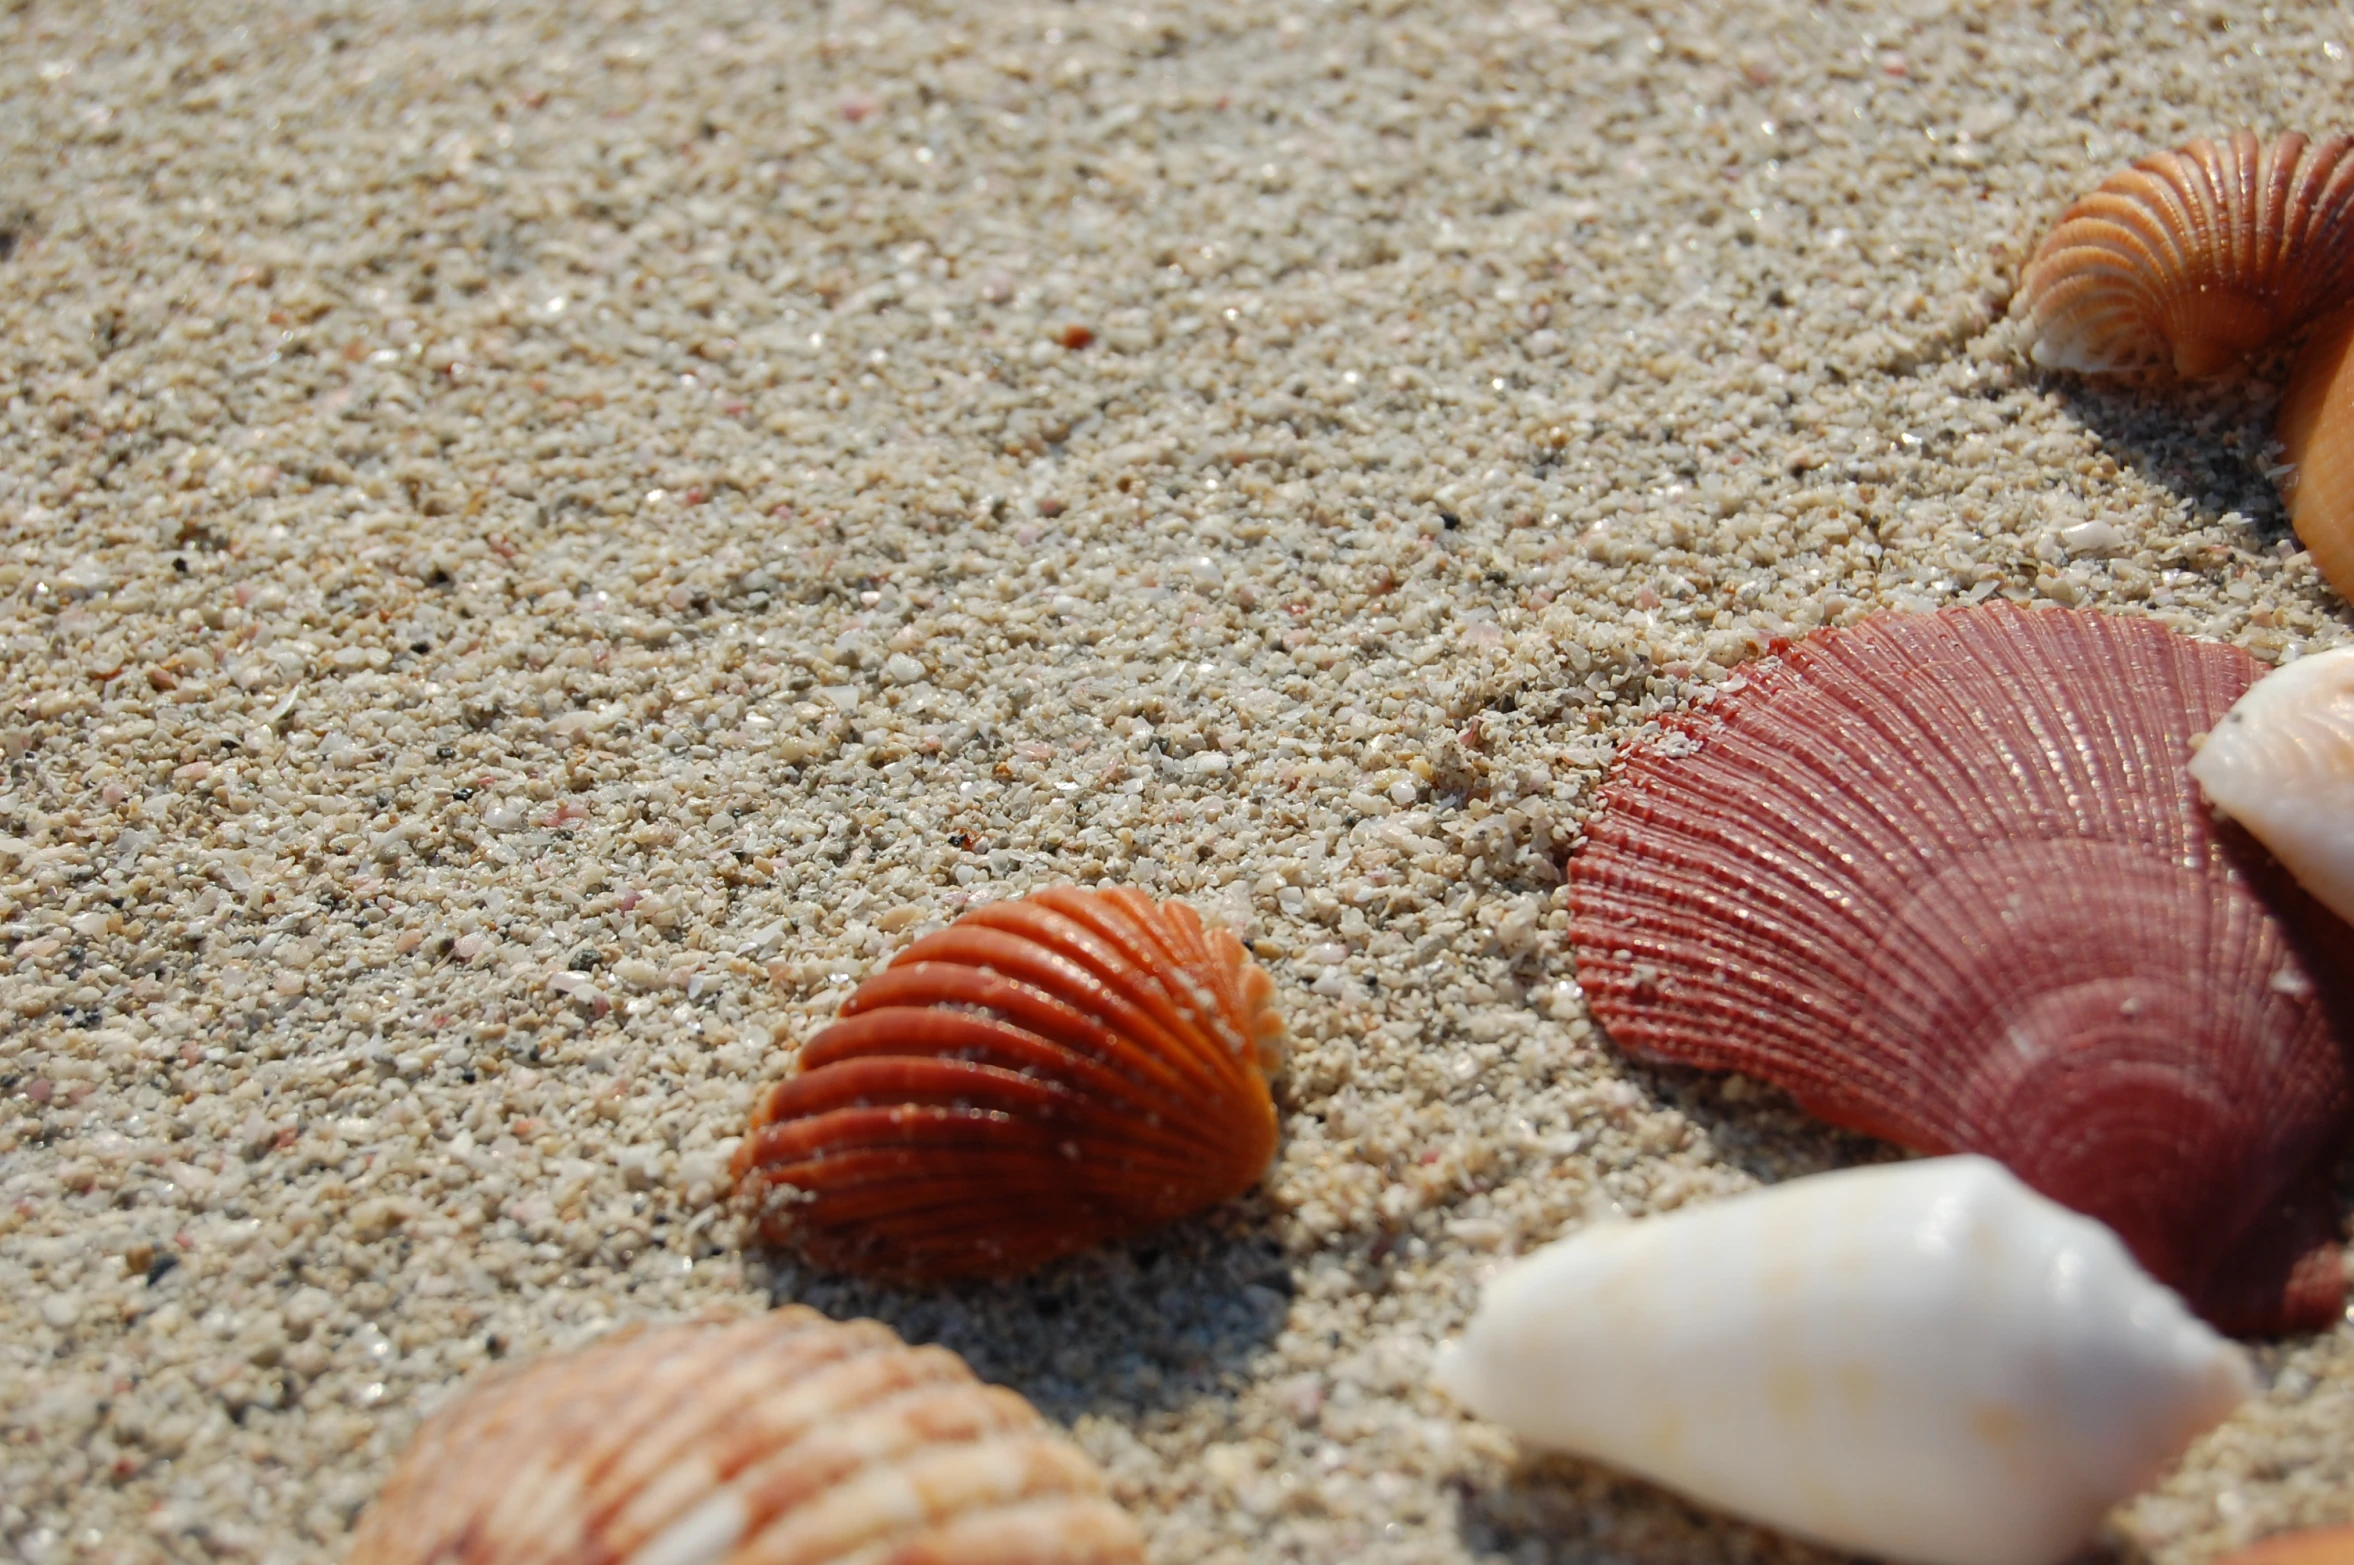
[2193, 258]
[786, 1439]
[1945, 879]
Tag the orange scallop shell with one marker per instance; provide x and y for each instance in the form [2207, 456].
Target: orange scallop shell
[787, 1439]
[1040, 1077]
[2329, 1546]
[2316, 430]
[2193, 258]
[1945, 878]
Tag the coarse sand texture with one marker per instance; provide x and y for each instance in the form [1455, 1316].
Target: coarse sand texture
[544, 541]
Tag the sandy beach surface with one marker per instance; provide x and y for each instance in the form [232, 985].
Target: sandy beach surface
[544, 540]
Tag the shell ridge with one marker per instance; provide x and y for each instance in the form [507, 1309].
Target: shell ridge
[1774, 897]
[912, 1032]
[917, 1095]
[897, 1504]
[872, 1432]
[1019, 1532]
[1156, 968]
[1045, 967]
[829, 1387]
[1079, 943]
[1131, 959]
[557, 1503]
[1020, 1005]
[734, 1361]
[946, 1134]
[1158, 953]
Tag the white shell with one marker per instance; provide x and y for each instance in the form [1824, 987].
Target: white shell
[2281, 763]
[1925, 1361]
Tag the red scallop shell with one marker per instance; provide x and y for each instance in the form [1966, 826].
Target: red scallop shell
[2195, 257]
[1040, 1077]
[1946, 880]
[2316, 429]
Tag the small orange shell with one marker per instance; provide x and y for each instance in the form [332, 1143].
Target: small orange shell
[2196, 257]
[1040, 1077]
[2330, 1546]
[788, 1439]
[2316, 430]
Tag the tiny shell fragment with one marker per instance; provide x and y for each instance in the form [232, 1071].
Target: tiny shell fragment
[786, 1439]
[1040, 1077]
[2281, 763]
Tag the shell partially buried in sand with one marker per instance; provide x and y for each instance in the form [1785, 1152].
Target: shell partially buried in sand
[1946, 879]
[1924, 1361]
[787, 1439]
[2281, 763]
[2193, 258]
[1040, 1077]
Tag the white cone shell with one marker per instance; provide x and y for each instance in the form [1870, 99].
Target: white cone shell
[1925, 1361]
[2281, 763]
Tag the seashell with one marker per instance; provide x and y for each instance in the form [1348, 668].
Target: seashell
[1924, 1361]
[2329, 1546]
[1041, 1076]
[787, 1439]
[2281, 763]
[1946, 880]
[2193, 258]
[2315, 427]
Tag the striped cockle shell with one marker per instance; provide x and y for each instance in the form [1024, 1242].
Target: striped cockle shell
[2329, 1546]
[2281, 763]
[786, 1439]
[2191, 259]
[2315, 427]
[1042, 1076]
[1945, 878]
[1925, 1362]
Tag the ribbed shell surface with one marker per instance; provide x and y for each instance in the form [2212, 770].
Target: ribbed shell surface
[2315, 426]
[2192, 258]
[1040, 1077]
[1945, 879]
[788, 1439]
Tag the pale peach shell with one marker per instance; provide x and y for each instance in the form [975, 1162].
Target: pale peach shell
[2193, 258]
[2281, 763]
[2316, 430]
[787, 1439]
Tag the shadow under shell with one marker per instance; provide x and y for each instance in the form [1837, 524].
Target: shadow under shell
[1944, 878]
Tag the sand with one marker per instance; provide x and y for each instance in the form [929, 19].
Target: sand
[545, 540]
